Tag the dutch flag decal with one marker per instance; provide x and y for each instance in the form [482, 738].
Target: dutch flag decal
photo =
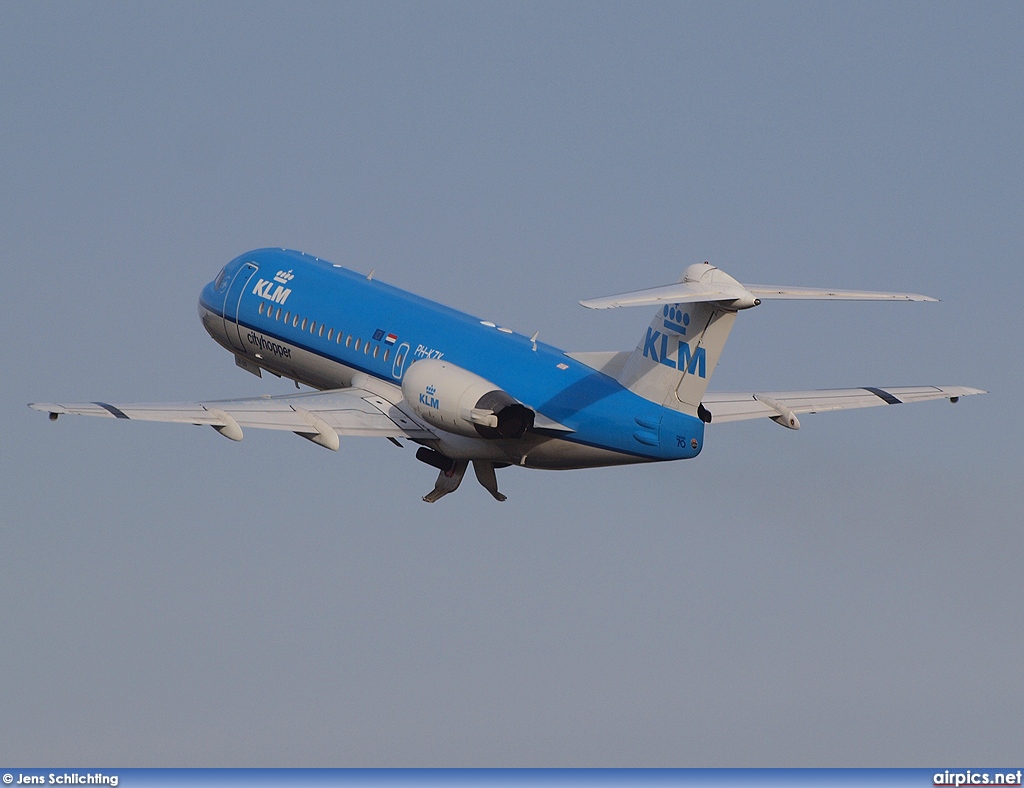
[390, 339]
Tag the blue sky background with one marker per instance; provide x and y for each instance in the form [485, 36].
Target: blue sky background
[846, 595]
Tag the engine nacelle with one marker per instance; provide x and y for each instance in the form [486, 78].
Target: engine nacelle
[458, 401]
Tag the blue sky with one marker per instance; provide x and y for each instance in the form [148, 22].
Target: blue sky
[845, 595]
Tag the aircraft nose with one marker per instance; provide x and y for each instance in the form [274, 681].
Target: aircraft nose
[208, 297]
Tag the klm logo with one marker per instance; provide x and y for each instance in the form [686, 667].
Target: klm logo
[275, 290]
[429, 400]
[681, 356]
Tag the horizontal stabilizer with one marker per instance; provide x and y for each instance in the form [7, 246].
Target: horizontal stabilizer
[681, 293]
[691, 293]
[706, 283]
[819, 294]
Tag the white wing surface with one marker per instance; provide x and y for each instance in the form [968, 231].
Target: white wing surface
[824, 294]
[736, 406]
[707, 283]
[320, 416]
[698, 292]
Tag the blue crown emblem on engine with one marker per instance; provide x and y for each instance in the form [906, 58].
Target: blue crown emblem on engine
[431, 390]
[675, 319]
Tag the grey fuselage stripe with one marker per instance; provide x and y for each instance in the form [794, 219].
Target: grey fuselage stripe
[114, 411]
[889, 398]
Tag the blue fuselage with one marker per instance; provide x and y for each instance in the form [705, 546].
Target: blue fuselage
[300, 317]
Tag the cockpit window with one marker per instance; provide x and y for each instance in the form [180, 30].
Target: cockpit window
[218, 283]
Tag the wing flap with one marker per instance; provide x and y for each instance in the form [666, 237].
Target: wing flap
[736, 406]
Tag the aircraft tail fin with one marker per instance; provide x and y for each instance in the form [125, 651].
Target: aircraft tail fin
[673, 361]
[675, 358]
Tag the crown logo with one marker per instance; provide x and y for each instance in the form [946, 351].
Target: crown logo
[284, 277]
[675, 319]
[431, 390]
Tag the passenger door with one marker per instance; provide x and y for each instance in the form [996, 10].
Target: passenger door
[233, 301]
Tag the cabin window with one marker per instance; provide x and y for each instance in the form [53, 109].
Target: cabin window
[358, 343]
[330, 334]
[375, 349]
[338, 340]
[304, 321]
[286, 316]
[312, 327]
[277, 314]
[399, 360]
[366, 347]
[348, 340]
[260, 310]
[387, 353]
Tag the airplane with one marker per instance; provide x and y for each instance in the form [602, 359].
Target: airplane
[391, 364]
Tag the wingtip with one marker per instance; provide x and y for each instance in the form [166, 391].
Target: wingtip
[48, 407]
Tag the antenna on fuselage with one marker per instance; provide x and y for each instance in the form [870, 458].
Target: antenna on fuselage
[369, 276]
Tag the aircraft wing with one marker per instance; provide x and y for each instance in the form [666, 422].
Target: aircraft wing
[320, 416]
[736, 406]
